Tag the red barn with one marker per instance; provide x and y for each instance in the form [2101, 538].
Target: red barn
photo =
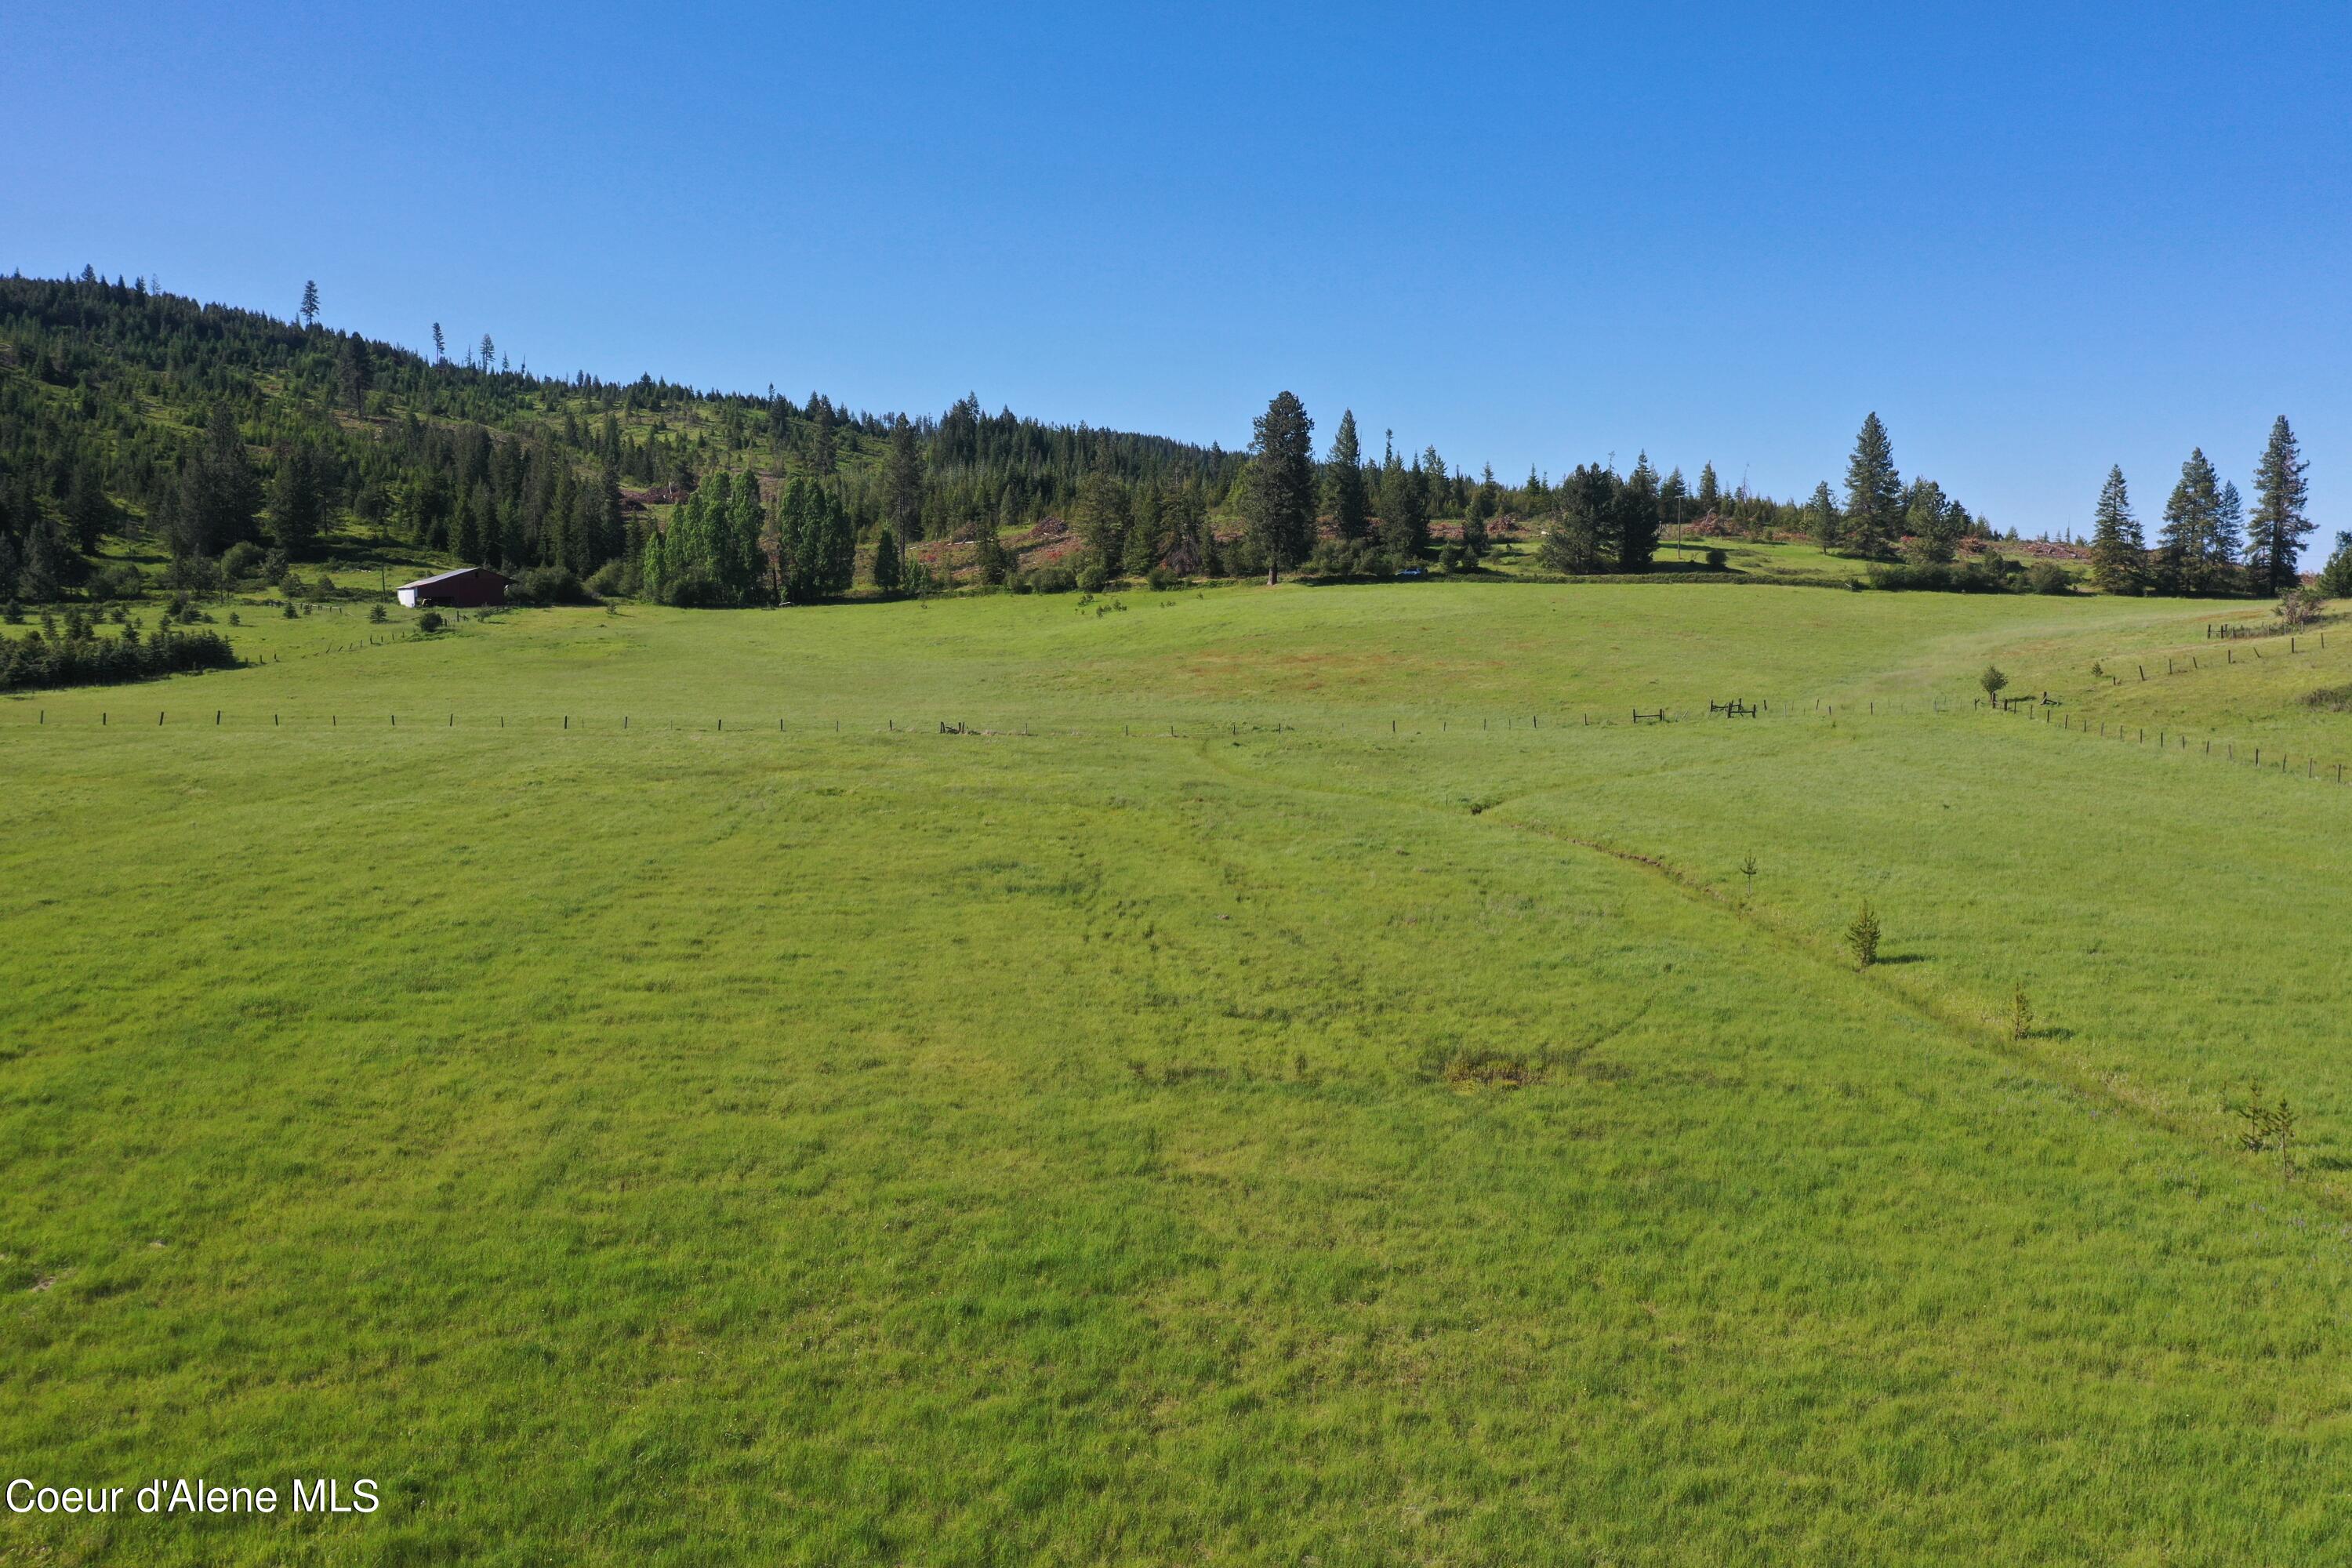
[467, 588]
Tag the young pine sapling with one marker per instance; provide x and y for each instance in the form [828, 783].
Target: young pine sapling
[1862, 937]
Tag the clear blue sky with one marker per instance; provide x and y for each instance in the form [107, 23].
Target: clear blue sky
[2037, 240]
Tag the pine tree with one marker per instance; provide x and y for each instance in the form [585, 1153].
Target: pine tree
[1404, 509]
[441, 348]
[2229, 535]
[219, 493]
[2336, 578]
[310, 312]
[822, 455]
[1437, 490]
[1572, 539]
[1823, 518]
[1103, 514]
[747, 571]
[2119, 553]
[611, 540]
[490, 354]
[1343, 481]
[889, 570]
[354, 373]
[2189, 548]
[1710, 493]
[1488, 498]
[1475, 543]
[1874, 491]
[1147, 543]
[1637, 517]
[1282, 496]
[902, 481]
[296, 507]
[2275, 545]
[1929, 521]
[89, 513]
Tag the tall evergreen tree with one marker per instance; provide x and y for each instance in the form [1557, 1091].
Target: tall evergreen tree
[822, 456]
[2275, 543]
[1823, 520]
[1105, 512]
[1636, 512]
[1437, 488]
[2118, 551]
[2229, 533]
[889, 568]
[902, 481]
[2189, 550]
[1282, 494]
[1874, 491]
[219, 493]
[1931, 521]
[2336, 578]
[1147, 542]
[1404, 509]
[1487, 499]
[1674, 500]
[611, 539]
[89, 513]
[1710, 492]
[297, 510]
[441, 347]
[310, 312]
[1343, 480]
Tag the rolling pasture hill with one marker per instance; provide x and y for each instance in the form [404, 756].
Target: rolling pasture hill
[1243, 1075]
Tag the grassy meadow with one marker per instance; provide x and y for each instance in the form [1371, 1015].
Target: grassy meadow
[1304, 1078]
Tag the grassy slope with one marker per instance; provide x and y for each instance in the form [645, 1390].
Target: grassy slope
[669, 1145]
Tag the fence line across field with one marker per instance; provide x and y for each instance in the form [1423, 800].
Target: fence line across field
[2042, 703]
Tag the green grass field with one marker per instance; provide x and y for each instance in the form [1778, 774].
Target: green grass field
[1306, 1081]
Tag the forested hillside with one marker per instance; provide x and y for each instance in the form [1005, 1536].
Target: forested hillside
[232, 442]
[144, 434]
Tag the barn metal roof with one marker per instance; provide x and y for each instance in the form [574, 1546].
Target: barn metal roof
[460, 572]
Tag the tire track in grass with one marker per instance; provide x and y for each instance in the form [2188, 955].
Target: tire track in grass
[1969, 1025]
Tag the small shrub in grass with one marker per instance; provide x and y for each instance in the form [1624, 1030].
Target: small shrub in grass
[2048, 577]
[2264, 1128]
[377, 617]
[1747, 868]
[2333, 699]
[2299, 607]
[1472, 1069]
[286, 606]
[1993, 681]
[1862, 937]
[430, 622]
[2020, 1015]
